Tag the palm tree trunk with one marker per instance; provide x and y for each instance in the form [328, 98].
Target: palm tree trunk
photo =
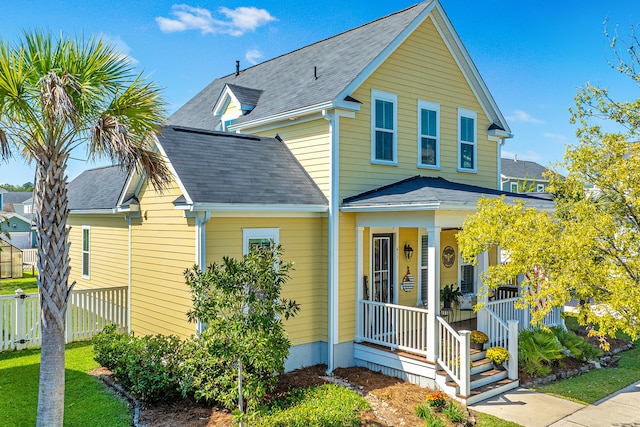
[53, 267]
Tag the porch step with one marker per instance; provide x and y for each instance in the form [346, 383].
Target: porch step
[489, 390]
[487, 377]
[481, 365]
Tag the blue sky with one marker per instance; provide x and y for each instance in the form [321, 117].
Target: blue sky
[532, 55]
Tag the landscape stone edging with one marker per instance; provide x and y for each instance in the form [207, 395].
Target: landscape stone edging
[569, 374]
[110, 382]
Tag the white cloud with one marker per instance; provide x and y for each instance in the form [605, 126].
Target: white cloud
[119, 45]
[529, 155]
[238, 21]
[523, 117]
[253, 56]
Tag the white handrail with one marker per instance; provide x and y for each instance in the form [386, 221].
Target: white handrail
[454, 354]
[396, 326]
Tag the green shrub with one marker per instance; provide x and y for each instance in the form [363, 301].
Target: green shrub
[148, 366]
[579, 347]
[537, 349]
[454, 413]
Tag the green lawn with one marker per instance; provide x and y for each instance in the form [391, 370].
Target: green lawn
[87, 401]
[28, 284]
[486, 420]
[598, 383]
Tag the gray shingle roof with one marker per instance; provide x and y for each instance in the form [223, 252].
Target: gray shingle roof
[12, 197]
[245, 95]
[421, 190]
[522, 169]
[97, 188]
[221, 167]
[288, 81]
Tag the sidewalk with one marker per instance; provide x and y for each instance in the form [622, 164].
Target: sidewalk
[531, 409]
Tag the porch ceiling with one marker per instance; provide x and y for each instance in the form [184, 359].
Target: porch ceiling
[422, 193]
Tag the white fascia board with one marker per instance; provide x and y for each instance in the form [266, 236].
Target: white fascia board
[499, 134]
[183, 189]
[248, 207]
[92, 211]
[294, 114]
[128, 208]
[466, 66]
[221, 103]
[394, 208]
[379, 60]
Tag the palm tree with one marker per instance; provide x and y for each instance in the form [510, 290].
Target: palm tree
[55, 95]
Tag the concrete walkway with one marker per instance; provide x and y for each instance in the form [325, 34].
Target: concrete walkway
[532, 409]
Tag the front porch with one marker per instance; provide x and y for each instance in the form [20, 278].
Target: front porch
[395, 341]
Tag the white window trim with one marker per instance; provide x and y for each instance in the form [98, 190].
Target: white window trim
[88, 252]
[511, 185]
[427, 105]
[259, 233]
[540, 188]
[422, 270]
[471, 115]
[461, 263]
[393, 98]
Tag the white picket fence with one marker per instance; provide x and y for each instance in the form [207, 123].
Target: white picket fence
[89, 310]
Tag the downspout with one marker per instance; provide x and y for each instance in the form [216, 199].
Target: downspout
[129, 220]
[201, 247]
[500, 144]
[333, 240]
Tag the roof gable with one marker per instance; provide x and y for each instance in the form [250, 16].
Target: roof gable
[97, 189]
[522, 169]
[326, 73]
[226, 168]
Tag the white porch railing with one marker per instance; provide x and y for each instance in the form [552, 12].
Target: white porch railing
[395, 326]
[454, 354]
[505, 309]
[89, 310]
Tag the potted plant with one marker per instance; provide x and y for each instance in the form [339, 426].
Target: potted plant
[498, 355]
[478, 338]
[449, 294]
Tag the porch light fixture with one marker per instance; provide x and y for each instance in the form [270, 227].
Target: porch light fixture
[408, 251]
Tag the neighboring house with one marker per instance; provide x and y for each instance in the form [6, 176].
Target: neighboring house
[361, 155]
[13, 201]
[520, 176]
[21, 233]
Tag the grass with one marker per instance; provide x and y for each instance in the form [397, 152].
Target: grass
[28, 284]
[326, 405]
[598, 383]
[87, 401]
[486, 420]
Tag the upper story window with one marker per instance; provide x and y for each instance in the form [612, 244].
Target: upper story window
[429, 138]
[467, 143]
[514, 187]
[384, 112]
[540, 188]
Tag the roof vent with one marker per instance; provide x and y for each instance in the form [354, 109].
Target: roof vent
[315, 73]
[237, 68]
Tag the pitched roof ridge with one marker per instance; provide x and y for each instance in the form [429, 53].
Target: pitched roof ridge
[325, 39]
[201, 131]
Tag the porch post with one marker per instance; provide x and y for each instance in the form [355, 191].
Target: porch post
[359, 279]
[433, 292]
[483, 263]
[513, 349]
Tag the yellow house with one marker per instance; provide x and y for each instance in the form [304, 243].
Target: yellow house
[361, 155]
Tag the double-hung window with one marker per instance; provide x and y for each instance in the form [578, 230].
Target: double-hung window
[467, 143]
[467, 277]
[86, 247]
[259, 237]
[429, 138]
[384, 132]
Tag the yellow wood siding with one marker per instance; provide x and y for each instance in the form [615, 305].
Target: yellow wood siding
[420, 69]
[108, 250]
[305, 243]
[347, 280]
[309, 143]
[231, 110]
[410, 236]
[163, 246]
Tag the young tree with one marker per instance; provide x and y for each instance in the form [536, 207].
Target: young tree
[243, 341]
[589, 247]
[57, 94]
